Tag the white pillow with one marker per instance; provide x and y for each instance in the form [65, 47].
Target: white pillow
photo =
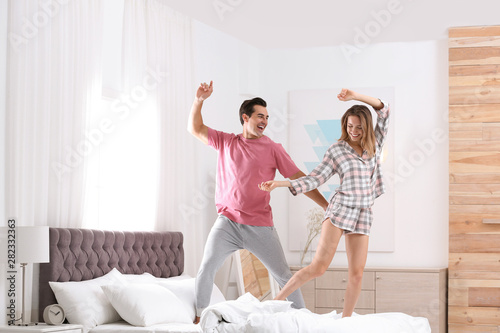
[184, 289]
[139, 278]
[146, 304]
[84, 302]
[183, 276]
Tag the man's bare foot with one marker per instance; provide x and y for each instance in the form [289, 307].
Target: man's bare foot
[196, 320]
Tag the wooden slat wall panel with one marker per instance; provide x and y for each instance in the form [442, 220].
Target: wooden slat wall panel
[491, 131]
[473, 315]
[473, 71]
[479, 31]
[471, 178]
[474, 42]
[455, 328]
[474, 56]
[477, 80]
[474, 172]
[474, 94]
[475, 162]
[486, 199]
[473, 145]
[463, 274]
[471, 224]
[475, 243]
[480, 262]
[491, 221]
[475, 209]
[468, 136]
[484, 297]
[476, 188]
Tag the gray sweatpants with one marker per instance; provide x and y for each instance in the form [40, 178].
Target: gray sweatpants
[226, 237]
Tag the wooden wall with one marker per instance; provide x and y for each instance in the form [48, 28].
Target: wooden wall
[474, 170]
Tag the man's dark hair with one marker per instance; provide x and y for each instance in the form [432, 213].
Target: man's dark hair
[247, 107]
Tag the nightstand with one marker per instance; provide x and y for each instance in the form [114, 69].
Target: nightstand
[43, 328]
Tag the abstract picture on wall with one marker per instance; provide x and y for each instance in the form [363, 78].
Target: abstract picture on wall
[314, 126]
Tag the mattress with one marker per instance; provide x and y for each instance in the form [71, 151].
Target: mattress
[161, 328]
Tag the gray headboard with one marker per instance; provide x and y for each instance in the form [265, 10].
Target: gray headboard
[84, 254]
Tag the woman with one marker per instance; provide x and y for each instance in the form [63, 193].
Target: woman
[355, 157]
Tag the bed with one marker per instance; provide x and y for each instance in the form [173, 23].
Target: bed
[89, 267]
[133, 282]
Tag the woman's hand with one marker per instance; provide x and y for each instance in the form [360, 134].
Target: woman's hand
[272, 184]
[347, 95]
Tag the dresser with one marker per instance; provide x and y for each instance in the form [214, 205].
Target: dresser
[416, 292]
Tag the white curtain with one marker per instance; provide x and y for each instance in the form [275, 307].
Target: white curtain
[53, 80]
[158, 60]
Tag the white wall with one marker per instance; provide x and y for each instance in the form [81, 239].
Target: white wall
[418, 73]
[3, 75]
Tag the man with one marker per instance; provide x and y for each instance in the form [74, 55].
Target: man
[245, 218]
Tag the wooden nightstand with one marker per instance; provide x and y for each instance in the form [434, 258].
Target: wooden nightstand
[43, 328]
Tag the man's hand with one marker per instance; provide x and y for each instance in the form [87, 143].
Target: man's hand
[204, 91]
[195, 122]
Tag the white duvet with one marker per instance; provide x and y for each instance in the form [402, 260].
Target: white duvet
[248, 314]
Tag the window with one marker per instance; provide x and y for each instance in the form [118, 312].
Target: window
[122, 172]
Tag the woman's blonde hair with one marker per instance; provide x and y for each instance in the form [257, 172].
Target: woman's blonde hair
[368, 141]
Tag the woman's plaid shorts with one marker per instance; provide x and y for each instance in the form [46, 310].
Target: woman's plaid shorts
[351, 219]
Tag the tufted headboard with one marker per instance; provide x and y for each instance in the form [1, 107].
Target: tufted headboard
[84, 254]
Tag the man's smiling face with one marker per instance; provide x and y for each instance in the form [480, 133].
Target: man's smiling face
[254, 126]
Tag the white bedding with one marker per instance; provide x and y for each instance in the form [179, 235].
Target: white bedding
[116, 302]
[247, 314]
[160, 328]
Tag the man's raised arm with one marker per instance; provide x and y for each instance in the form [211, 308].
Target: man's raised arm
[195, 123]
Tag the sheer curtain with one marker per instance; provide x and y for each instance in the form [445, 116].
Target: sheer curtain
[158, 62]
[53, 80]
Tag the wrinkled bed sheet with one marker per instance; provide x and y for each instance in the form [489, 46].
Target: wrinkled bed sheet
[248, 314]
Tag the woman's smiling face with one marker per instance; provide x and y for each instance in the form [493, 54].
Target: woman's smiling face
[354, 128]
